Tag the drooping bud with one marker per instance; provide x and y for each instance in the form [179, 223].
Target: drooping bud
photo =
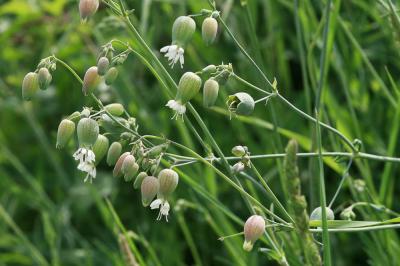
[116, 109]
[157, 150]
[44, 78]
[30, 85]
[238, 167]
[239, 151]
[183, 30]
[241, 103]
[65, 131]
[129, 167]
[111, 76]
[102, 65]
[90, 80]
[149, 189]
[317, 214]
[88, 131]
[210, 92]
[168, 179]
[117, 172]
[209, 69]
[139, 180]
[209, 30]
[100, 148]
[113, 153]
[87, 8]
[254, 228]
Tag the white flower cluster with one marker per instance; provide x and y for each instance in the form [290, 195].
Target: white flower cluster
[86, 164]
[174, 53]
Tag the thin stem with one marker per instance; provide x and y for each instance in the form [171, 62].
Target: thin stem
[358, 229]
[345, 175]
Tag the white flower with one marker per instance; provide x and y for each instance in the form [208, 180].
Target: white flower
[179, 108]
[174, 53]
[86, 164]
[164, 207]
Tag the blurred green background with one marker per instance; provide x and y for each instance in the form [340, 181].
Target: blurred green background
[48, 216]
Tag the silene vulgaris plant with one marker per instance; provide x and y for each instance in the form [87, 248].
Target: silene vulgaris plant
[146, 162]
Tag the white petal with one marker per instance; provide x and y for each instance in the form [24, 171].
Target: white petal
[155, 204]
[165, 49]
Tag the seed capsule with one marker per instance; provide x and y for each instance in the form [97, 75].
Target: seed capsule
[65, 131]
[102, 65]
[183, 30]
[30, 85]
[239, 151]
[100, 148]
[87, 8]
[113, 153]
[241, 103]
[116, 109]
[168, 179]
[117, 172]
[209, 30]
[88, 131]
[111, 76]
[90, 81]
[149, 189]
[317, 214]
[210, 92]
[129, 167]
[44, 78]
[139, 180]
[254, 228]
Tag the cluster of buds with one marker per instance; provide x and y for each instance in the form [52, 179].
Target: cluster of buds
[254, 228]
[39, 79]
[244, 154]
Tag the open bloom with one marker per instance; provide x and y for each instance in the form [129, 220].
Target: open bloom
[174, 53]
[164, 207]
[86, 164]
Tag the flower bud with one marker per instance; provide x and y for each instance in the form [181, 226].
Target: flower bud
[253, 229]
[189, 86]
[90, 81]
[210, 92]
[348, 214]
[129, 167]
[316, 214]
[75, 116]
[241, 103]
[139, 180]
[118, 165]
[111, 76]
[113, 153]
[238, 167]
[116, 109]
[87, 8]
[209, 30]
[30, 85]
[100, 148]
[183, 30]
[44, 78]
[65, 131]
[88, 131]
[239, 151]
[208, 70]
[149, 189]
[157, 150]
[102, 65]
[168, 179]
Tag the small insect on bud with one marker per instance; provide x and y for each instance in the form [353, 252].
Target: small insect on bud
[116, 109]
[139, 180]
[316, 214]
[241, 103]
[168, 179]
[253, 229]
[239, 151]
[102, 65]
[30, 85]
[117, 172]
[189, 85]
[65, 131]
[149, 189]
[113, 153]
[210, 92]
[238, 167]
[129, 167]
[348, 214]
[87, 8]
[100, 148]
[90, 80]
[111, 76]
[44, 78]
[209, 30]
[88, 131]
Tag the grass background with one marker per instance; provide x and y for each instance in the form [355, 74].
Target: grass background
[48, 216]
